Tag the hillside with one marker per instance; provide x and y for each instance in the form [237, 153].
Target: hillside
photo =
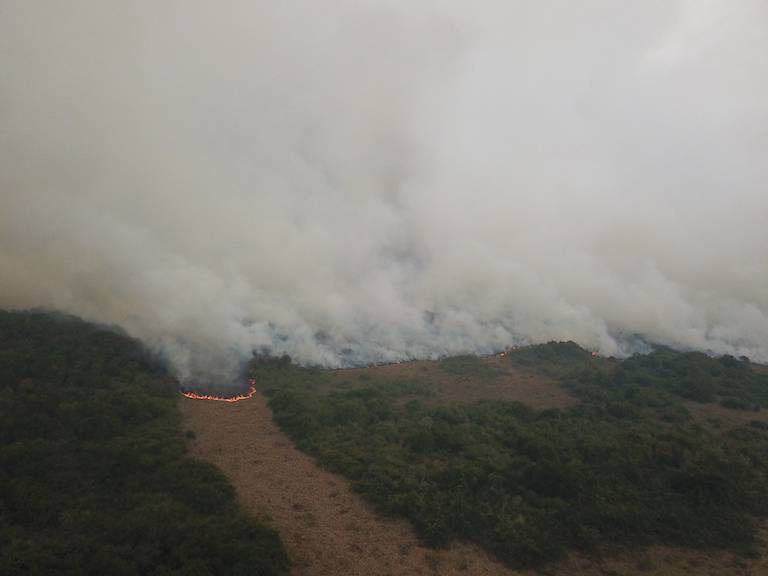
[726, 539]
[544, 460]
[94, 475]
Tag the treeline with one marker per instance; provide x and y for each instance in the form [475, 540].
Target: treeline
[649, 380]
[93, 473]
[625, 466]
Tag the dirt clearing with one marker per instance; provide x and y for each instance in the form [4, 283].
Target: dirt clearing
[329, 530]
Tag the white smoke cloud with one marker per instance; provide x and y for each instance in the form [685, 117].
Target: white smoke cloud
[356, 182]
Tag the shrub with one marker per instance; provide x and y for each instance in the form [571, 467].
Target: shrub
[734, 403]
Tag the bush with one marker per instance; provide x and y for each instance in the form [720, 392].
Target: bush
[734, 403]
[528, 485]
[93, 474]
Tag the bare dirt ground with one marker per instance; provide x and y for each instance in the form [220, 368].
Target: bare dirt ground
[716, 418]
[328, 530]
[505, 382]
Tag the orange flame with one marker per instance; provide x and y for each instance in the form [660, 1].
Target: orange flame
[507, 351]
[220, 399]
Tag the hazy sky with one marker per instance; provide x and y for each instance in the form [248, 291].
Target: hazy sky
[371, 180]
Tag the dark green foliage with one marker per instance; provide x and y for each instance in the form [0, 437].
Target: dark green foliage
[654, 380]
[93, 476]
[734, 403]
[623, 466]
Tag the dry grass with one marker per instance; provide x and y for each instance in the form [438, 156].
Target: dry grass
[716, 418]
[504, 382]
[329, 530]
[326, 529]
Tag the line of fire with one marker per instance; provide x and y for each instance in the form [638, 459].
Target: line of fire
[250, 393]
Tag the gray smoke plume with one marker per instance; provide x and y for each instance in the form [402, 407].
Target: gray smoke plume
[358, 182]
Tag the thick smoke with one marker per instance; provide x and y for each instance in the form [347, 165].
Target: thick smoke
[366, 181]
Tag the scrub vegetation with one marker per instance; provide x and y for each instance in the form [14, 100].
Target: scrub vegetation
[93, 473]
[627, 466]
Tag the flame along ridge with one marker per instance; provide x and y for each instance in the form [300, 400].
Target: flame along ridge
[237, 398]
[252, 391]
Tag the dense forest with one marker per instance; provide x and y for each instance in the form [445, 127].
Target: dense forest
[93, 473]
[626, 466]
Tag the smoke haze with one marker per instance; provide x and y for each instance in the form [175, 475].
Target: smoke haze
[356, 182]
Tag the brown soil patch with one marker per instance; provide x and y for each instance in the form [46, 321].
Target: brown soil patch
[505, 382]
[714, 417]
[328, 530]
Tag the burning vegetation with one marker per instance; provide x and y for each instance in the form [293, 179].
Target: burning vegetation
[237, 398]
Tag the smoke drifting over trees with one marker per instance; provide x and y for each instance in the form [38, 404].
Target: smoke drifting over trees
[353, 182]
